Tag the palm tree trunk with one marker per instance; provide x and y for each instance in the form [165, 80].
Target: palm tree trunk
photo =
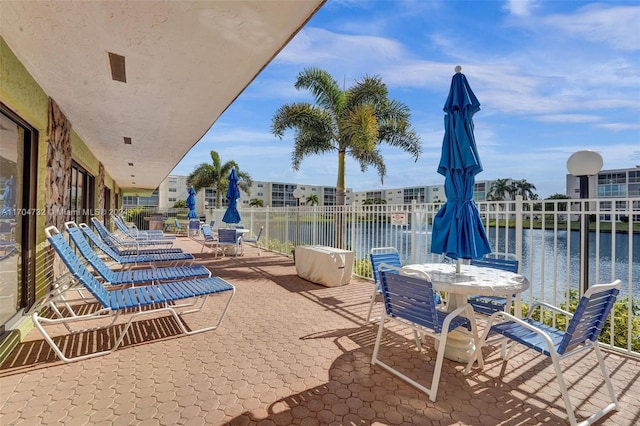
[341, 225]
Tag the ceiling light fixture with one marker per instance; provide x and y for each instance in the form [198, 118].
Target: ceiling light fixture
[127, 141]
[118, 71]
[131, 164]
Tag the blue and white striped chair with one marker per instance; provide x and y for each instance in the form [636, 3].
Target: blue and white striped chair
[176, 298]
[582, 332]
[410, 300]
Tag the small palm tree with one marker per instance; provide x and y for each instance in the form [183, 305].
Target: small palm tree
[216, 176]
[311, 200]
[499, 189]
[256, 202]
[524, 188]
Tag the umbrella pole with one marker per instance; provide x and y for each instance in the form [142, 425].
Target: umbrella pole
[457, 266]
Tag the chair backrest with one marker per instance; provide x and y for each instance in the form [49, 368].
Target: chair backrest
[239, 226]
[409, 296]
[98, 242]
[207, 232]
[194, 224]
[87, 252]
[388, 255]
[227, 236]
[104, 233]
[590, 315]
[503, 263]
[213, 222]
[77, 269]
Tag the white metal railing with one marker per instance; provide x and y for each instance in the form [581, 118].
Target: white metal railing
[546, 235]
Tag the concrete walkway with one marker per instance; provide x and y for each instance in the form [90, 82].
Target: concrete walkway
[290, 352]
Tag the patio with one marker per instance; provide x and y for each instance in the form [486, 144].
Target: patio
[290, 352]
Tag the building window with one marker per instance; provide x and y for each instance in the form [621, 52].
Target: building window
[173, 199]
[81, 194]
[173, 190]
[18, 188]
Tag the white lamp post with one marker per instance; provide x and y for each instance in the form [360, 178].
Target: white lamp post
[583, 164]
[297, 194]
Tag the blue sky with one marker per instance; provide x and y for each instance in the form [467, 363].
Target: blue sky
[552, 77]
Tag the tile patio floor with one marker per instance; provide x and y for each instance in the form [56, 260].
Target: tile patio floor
[291, 352]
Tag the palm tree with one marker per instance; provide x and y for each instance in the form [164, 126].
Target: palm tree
[256, 202]
[311, 200]
[524, 188]
[353, 121]
[216, 176]
[499, 188]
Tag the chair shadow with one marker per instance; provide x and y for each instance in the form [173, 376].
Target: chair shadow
[34, 354]
[353, 381]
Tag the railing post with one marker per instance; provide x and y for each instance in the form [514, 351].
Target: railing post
[414, 222]
[519, 214]
[266, 228]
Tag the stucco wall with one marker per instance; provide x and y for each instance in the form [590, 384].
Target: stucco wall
[23, 95]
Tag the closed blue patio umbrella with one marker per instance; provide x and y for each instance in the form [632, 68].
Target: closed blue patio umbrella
[457, 228]
[191, 204]
[231, 215]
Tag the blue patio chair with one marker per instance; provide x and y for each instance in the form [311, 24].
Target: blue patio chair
[379, 255]
[132, 276]
[581, 334]
[228, 237]
[389, 256]
[487, 305]
[208, 237]
[136, 301]
[255, 241]
[410, 300]
[129, 260]
[194, 227]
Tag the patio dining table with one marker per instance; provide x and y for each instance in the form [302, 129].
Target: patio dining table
[471, 280]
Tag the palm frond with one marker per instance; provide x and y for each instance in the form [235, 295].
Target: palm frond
[323, 87]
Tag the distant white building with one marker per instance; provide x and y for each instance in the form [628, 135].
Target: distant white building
[273, 194]
[614, 183]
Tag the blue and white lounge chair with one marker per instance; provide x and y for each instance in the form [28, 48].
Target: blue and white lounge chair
[132, 276]
[134, 233]
[131, 248]
[410, 300]
[134, 301]
[581, 334]
[125, 243]
[176, 258]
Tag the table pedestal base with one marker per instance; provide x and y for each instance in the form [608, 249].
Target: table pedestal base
[459, 346]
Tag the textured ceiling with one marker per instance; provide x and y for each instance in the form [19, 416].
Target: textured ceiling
[186, 62]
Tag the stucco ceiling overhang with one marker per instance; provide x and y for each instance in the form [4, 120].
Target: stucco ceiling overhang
[186, 62]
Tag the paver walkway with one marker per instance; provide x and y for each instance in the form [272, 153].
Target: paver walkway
[291, 352]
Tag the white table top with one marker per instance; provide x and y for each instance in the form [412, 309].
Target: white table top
[473, 279]
[238, 230]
